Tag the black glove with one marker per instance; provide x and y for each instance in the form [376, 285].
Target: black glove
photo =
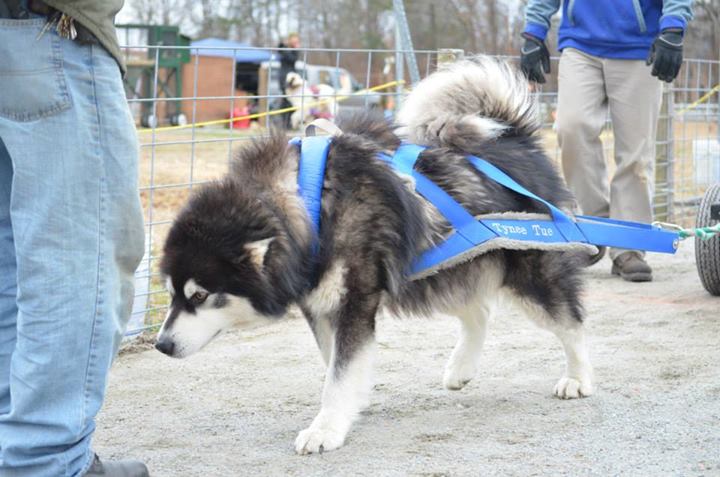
[534, 59]
[666, 54]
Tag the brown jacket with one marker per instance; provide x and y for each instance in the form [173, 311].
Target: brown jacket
[98, 16]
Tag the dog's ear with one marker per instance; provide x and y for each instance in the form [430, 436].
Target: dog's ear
[258, 250]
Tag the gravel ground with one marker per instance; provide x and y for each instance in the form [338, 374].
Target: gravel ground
[235, 408]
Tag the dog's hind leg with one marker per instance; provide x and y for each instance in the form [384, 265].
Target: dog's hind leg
[578, 377]
[546, 287]
[463, 363]
[474, 316]
[577, 380]
[348, 377]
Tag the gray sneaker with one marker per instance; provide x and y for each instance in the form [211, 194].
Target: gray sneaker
[121, 468]
[632, 267]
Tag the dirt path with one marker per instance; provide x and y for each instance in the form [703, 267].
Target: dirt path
[235, 408]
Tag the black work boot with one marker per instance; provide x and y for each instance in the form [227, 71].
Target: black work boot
[632, 267]
[121, 468]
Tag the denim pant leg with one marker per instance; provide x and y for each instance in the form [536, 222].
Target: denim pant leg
[8, 282]
[78, 237]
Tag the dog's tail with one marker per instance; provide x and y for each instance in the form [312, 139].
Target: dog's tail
[481, 96]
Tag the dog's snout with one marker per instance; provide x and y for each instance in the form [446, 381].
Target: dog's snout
[166, 346]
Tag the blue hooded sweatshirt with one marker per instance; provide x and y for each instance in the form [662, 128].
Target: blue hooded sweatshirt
[623, 29]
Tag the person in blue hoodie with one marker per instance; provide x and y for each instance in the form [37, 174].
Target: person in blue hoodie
[614, 53]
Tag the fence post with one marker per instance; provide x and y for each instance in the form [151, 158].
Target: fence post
[401, 25]
[399, 70]
[665, 158]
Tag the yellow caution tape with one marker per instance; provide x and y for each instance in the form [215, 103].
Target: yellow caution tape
[694, 105]
[277, 111]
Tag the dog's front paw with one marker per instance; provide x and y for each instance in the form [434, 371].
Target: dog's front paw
[573, 388]
[318, 440]
[458, 374]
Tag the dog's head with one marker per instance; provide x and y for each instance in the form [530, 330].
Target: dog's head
[229, 258]
[293, 81]
[216, 265]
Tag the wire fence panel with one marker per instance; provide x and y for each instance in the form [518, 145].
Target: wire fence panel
[195, 104]
[693, 121]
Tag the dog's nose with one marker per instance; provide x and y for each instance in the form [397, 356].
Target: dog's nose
[166, 346]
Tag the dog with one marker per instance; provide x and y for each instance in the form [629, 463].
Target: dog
[311, 101]
[243, 249]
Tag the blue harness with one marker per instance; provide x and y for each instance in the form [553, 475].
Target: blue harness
[469, 232]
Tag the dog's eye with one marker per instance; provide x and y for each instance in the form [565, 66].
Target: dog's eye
[198, 297]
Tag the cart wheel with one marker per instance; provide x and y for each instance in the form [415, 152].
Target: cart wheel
[149, 121]
[707, 252]
[178, 119]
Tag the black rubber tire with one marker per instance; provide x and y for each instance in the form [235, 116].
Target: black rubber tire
[178, 119]
[707, 252]
[148, 121]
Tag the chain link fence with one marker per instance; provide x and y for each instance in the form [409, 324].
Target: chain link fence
[195, 104]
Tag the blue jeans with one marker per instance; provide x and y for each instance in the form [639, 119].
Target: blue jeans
[71, 236]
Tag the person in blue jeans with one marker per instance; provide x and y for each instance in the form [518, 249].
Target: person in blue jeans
[71, 237]
[613, 54]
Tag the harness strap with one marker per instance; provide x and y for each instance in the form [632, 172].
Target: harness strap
[311, 174]
[630, 235]
[565, 224]
[324, 125]
[462, 221]
[469, 232]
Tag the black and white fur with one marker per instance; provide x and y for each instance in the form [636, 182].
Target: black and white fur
[241, 251]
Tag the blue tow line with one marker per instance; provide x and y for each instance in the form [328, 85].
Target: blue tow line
[470, 232]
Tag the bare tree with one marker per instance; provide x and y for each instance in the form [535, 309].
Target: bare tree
[478, 26]
[707, 25]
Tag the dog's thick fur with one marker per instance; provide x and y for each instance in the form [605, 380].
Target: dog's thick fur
[242, 250]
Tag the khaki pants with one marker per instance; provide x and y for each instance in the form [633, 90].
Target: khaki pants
[587, 86]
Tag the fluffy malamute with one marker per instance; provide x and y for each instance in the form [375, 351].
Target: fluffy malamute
[243, 250]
